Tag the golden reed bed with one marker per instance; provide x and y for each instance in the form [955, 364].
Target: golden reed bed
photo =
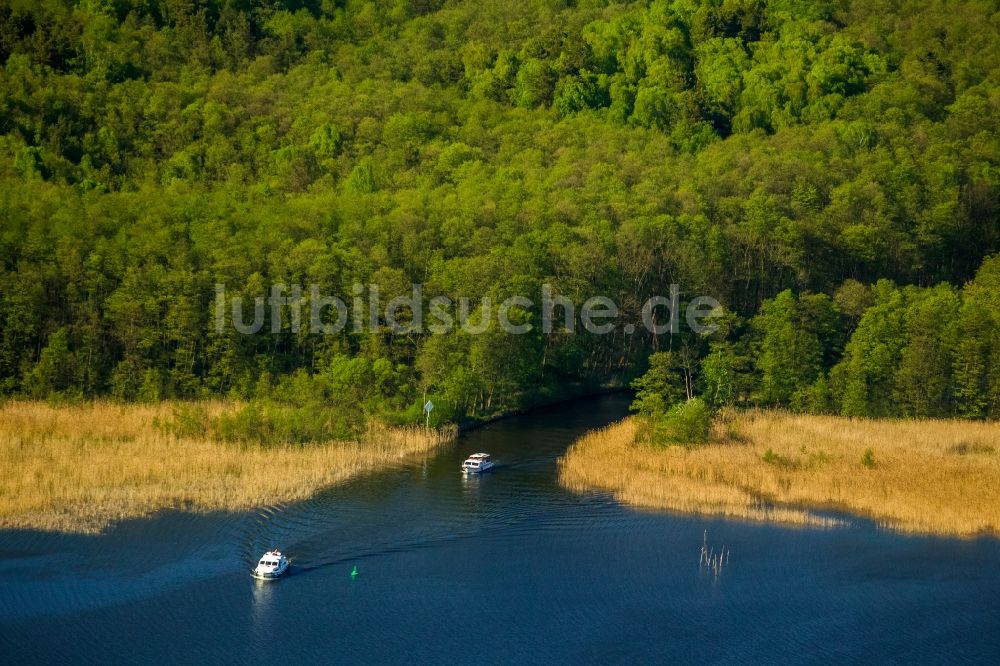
[79, 468]
[929, 476]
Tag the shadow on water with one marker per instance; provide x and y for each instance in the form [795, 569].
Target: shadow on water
[562, 577]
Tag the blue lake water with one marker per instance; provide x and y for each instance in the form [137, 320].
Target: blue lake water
[504, 568]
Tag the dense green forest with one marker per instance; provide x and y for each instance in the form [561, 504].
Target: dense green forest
[828, 170]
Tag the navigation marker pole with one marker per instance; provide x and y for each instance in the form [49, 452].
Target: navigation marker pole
[428, 406]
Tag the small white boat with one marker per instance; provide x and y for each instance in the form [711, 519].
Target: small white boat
[477, 463]
[272, 564]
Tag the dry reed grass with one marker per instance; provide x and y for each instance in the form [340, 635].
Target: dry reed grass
[930, 476]
[79, 468]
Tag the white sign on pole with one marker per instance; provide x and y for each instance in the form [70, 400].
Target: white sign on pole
[427, 410]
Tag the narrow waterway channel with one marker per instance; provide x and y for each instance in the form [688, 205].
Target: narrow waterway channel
[504, 568]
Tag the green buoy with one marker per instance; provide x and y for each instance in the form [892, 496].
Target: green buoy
[354, 572]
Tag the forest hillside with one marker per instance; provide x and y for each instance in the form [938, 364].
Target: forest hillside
[828, 171]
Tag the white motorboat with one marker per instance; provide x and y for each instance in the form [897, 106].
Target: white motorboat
[477, 463]
[272, 564]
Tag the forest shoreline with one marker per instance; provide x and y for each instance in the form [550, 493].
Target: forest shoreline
[80, 468]
[926, 476]
[469, 424]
